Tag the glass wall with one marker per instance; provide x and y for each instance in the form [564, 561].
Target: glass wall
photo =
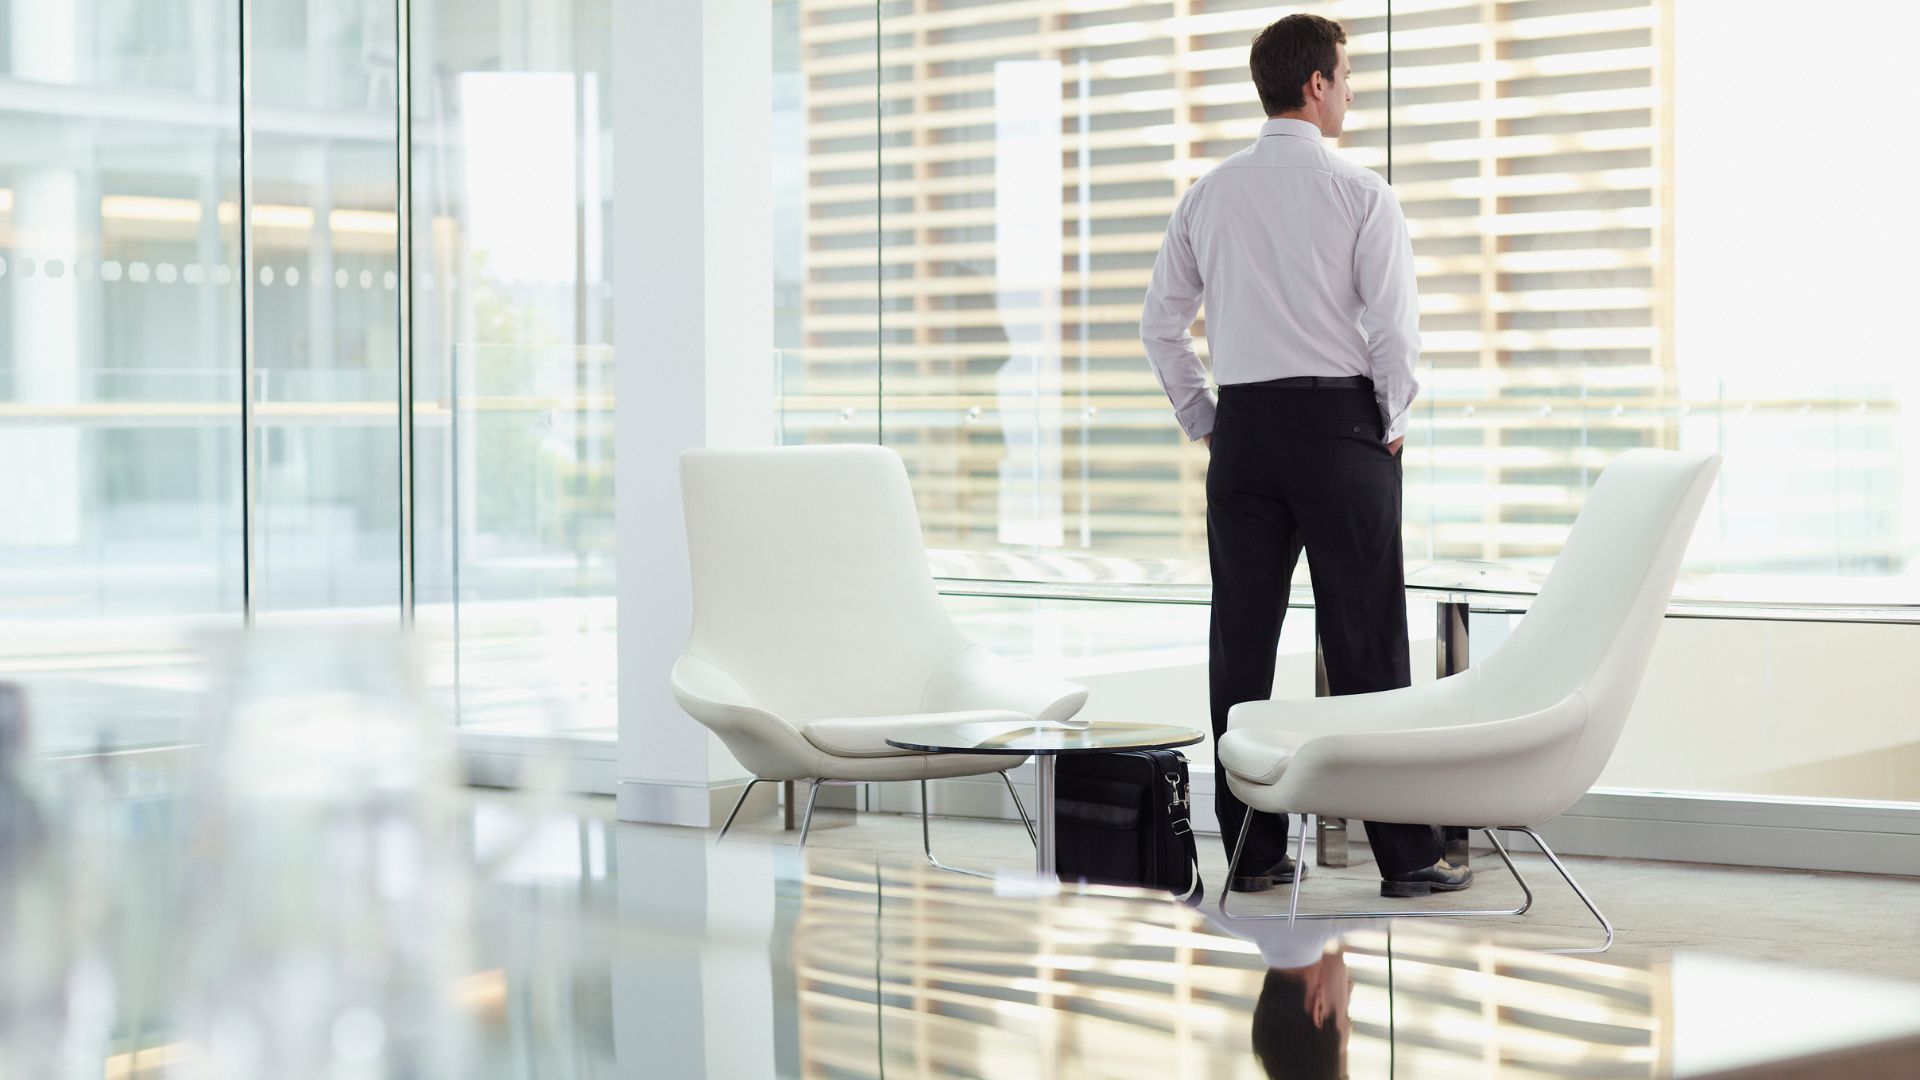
[126, 530]
[513, 360]
[828, 288]
[1598, 227]
[120, 330]
[1620, 244]
[326, 358]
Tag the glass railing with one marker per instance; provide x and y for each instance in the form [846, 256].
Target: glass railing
[1100, 494]
[133, 548]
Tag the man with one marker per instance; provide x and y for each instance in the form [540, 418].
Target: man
[1306, 269]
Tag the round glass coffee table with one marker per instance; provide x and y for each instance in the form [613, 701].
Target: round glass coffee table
[1045, 743]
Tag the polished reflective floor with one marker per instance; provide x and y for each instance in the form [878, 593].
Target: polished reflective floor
[150, 930]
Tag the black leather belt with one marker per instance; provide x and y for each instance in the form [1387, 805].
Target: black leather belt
[1309, 382]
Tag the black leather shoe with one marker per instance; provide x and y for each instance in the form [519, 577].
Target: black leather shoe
[1442, 876]
[1281, 873]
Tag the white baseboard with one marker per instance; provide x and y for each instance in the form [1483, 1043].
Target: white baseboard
[1854, 837]
[579, 764]
[588, 763]
[698, 805]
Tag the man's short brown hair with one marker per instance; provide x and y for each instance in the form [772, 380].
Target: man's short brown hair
[1286, 54]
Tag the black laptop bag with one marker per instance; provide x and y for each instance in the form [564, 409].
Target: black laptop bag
[1124, 819]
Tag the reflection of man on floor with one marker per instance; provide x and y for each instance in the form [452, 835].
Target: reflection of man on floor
[1300, 1024]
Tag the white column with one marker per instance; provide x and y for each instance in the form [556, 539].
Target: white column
[694, 338]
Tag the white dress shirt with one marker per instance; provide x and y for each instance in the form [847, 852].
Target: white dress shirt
[1305, 267]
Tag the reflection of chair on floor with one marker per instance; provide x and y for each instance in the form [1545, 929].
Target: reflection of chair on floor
[1514, 740]
[817, 631]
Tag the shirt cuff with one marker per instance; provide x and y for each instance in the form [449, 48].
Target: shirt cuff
[1397, 426]
[1197, 418]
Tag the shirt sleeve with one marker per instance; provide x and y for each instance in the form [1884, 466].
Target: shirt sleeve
[1166, 327]
[1383, 274]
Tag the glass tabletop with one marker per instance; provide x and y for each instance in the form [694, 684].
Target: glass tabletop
[1003, 737]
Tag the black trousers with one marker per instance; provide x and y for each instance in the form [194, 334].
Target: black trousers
[1298, 468]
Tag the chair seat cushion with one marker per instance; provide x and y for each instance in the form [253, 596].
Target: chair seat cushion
[1260, 755]
[866, 736]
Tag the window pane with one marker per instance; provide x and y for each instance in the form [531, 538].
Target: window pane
[828, 282]
[119, 360]
[326, 314]
[1527, 153]
[513, 370]
[996, 259]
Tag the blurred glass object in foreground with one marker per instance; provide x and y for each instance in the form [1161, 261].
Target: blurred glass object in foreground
[32, 959]
[56, 989]
[329, 892]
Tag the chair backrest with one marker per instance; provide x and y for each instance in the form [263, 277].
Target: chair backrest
[810, 579]
[1592, 627]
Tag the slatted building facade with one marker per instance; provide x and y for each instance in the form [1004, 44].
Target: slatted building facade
[1014, 183]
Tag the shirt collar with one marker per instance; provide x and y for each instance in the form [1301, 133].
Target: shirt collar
[1302, 129]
